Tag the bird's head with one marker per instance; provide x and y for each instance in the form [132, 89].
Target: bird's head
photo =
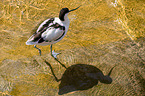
[64, 12]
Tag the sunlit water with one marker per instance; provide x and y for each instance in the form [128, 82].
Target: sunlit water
[95, 23]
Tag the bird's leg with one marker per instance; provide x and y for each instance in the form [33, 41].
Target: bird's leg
[38, 49]
[53, 54]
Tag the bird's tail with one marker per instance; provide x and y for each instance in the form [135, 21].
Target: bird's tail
[30, 41]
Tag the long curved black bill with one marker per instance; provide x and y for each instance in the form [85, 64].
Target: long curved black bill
[74, 9]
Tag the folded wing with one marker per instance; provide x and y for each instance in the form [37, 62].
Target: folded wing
[47, 32]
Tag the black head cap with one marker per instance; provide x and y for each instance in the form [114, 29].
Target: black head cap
[63, 11]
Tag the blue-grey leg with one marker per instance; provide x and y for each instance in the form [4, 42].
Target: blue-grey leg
[38, 49]
[53, 54]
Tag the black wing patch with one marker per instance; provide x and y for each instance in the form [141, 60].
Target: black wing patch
[44, 27]
[37, 35]
[41, 40]
[56, 25]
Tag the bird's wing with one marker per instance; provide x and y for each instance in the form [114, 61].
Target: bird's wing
[47, 31]
[54, 33]
[36, 37]
[45, 25]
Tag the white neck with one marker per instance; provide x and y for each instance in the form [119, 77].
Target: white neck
[66, 22]
[66, 19]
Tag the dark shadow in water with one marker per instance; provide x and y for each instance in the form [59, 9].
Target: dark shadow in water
[80, 77]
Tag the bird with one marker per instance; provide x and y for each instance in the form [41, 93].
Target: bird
[51, 31]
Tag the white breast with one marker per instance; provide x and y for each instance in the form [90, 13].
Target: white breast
[63, 23]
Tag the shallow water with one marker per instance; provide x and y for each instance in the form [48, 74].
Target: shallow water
[95, 23]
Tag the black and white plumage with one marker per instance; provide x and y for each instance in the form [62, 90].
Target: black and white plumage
[51, 31]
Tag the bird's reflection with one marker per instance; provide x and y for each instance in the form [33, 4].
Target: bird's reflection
[80, 77]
